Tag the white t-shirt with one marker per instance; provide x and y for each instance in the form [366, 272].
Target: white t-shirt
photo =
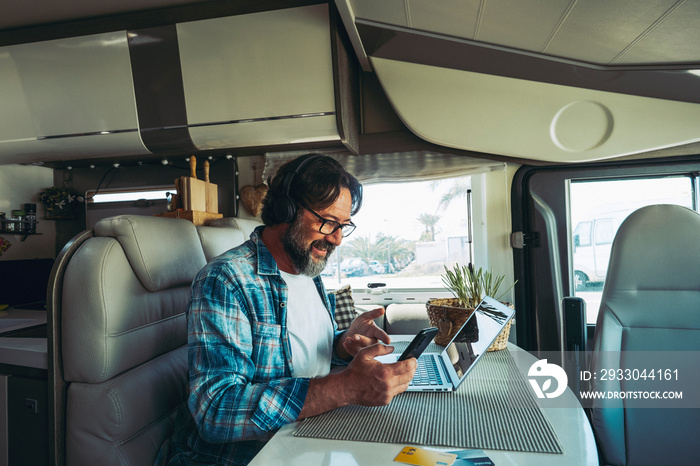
[310, 328]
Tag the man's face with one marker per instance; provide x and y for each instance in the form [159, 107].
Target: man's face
[307, 247]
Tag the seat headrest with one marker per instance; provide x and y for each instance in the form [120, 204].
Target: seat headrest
[657, 247]
[218, 240]
[149, 243]
[246, 225]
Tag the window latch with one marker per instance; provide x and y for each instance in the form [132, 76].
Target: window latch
[519, 240]
[377, 288]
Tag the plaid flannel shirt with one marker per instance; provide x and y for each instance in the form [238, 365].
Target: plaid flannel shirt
[241, 389]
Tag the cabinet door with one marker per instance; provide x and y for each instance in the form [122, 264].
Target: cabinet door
[259, 79]
[68, 98]
[4, 424]
[28, 414]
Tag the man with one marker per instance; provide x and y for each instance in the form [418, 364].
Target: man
[261, 331]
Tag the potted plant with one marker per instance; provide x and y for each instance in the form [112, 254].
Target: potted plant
[469, 286]
[60, 202]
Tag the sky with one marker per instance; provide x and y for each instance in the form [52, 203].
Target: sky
[393, 208]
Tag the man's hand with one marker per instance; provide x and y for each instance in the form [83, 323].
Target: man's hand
[369, 382]
[362, 333]
[365, 382]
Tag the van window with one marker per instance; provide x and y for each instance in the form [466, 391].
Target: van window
[103, 203]
[406, 232]
[605, 232]
[597, 208]
[582, 234]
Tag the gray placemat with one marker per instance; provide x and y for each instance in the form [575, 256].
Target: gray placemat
[494, 408]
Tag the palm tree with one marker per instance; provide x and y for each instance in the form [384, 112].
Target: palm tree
[394, 250]
[386, 249]
[362, 247]
[428, 221]
[460, 188]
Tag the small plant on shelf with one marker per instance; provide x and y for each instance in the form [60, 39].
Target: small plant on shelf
[60, 202]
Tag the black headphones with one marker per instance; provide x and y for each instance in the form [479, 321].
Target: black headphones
[285, 207]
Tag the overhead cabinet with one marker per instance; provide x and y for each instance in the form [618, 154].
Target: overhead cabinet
[259, 79]
[252, 80]
[67, 99]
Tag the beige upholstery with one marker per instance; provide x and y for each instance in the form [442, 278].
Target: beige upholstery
[651, 303]
[405, 319]
[118, 356]
[246, 225]
[217, 240]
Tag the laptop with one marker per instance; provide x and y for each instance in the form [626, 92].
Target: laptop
[444, 372]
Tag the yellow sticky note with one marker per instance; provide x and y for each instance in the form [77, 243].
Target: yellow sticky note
[424, 457]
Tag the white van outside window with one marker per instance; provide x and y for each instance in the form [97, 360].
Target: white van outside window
[592, 242]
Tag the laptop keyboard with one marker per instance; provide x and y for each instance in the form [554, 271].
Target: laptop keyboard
[427, 372]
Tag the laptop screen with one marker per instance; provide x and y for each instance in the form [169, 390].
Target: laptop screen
[475, 337]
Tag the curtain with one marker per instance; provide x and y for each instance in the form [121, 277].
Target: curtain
[395, 167]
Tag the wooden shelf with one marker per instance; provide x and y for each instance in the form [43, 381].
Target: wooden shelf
[195, 216]
[23, 234]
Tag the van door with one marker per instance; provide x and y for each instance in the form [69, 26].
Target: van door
[568, 215]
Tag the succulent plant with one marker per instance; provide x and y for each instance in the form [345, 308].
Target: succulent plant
[470, 285]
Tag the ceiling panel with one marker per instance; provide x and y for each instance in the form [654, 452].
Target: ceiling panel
[597, 32]
[675, 40]
[524, 26]
[450, 17]
[386, 11]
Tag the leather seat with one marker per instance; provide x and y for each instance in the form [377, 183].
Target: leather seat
[118, 336]
[217, 240]
[649, 316]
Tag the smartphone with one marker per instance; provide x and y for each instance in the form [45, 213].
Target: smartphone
[419, 343]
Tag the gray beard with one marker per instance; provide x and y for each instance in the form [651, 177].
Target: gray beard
[293, 243]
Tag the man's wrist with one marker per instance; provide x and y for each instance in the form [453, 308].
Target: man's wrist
[325, 394]
[340, 350]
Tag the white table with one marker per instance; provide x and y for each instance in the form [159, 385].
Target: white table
[22, 351]
[570, 424]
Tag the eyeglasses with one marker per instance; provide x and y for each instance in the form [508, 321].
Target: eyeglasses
[328, 227]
